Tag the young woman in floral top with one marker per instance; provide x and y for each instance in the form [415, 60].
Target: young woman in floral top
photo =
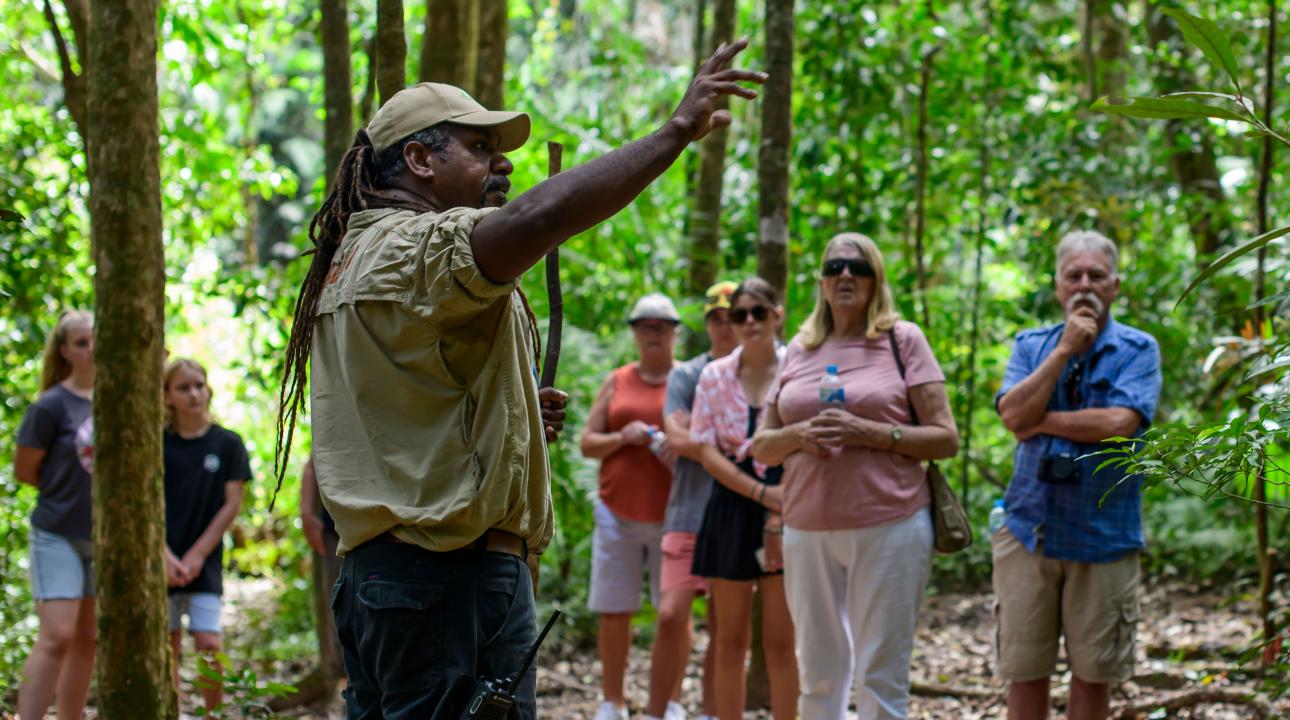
[742, 516]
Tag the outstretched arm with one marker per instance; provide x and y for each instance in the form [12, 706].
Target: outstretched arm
[508, 242]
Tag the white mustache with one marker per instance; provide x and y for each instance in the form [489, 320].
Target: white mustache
[1096, 302]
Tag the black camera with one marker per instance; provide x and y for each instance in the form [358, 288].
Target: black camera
[488, 699]
[1059, 469]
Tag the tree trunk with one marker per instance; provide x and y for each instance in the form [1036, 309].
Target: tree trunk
[448, 50]
[129, 282]
[1193, 163]
[338, 100]
[776, 144]
[391, 49]
[1266, 564]
[369, 86]
[705, 220]
[73, 84]
[982, 223]
[490, 65]
[920, 185]
[1105, 49]
[338, 131]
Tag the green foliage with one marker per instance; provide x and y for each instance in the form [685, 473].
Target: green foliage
[245, 695]
[241, 98]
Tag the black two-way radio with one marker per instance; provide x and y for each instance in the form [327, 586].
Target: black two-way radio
[493, 699]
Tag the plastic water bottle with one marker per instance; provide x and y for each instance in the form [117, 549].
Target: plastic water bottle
[832, 394]
[997, 515]
[656, 439]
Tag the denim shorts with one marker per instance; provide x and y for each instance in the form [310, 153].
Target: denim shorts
[202, 609]
[61, 568]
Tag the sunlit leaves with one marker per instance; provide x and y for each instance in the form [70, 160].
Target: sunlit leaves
[1166, 109]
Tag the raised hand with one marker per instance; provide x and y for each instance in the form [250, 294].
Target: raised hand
[697, 114]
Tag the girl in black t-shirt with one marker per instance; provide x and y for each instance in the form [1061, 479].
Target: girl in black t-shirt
[53, 454]
[206, 467]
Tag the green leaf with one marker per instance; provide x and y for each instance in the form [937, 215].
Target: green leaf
[1164, 109]
[1206, 35]
[1230, 256]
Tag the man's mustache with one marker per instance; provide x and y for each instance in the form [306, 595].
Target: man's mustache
[501, 184]
[1088, 297]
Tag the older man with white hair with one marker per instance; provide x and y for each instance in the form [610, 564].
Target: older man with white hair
[1066, 560]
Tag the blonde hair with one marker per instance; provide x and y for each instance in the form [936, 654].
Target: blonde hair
[56, 368]
[172, 369]
[880, 316]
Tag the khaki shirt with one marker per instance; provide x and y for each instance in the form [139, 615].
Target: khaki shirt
[424, 400]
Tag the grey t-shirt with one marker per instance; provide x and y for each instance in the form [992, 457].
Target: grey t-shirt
[62, 424]
[691, 484]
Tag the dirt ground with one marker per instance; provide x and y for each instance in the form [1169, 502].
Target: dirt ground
[1187, 645]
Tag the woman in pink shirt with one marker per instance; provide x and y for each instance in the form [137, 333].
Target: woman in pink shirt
[858, 535]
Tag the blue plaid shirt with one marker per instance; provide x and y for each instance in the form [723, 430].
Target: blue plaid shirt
[1076, 522]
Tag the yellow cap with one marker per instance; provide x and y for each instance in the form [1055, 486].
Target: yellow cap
[718, 296]
[421, 106]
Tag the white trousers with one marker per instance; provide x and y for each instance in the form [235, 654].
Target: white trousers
[854, 597]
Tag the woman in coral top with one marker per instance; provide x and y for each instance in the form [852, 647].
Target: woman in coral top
[634, 486]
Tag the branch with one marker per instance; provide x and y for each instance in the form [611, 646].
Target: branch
[1172, 704]
[73, 84]
[923, 689]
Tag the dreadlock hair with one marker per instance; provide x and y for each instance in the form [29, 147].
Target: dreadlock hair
[363, 182]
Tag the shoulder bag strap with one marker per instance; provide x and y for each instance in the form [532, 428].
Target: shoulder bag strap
[900, 365]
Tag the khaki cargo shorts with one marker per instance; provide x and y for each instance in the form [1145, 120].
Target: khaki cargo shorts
[1039, 599]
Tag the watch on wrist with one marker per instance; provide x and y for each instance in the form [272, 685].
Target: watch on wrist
[896, 435]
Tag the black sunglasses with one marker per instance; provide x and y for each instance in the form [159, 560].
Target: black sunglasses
[859, 267]
[739, 316]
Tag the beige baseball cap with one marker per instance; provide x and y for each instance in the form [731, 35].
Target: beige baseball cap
[421, 106]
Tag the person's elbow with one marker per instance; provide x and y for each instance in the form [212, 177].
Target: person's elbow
[1014, 418]
[1127, 422]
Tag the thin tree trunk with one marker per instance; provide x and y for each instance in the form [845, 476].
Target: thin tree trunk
[391, 48]
[920, 185]
[369, 87]
[1104, 47]
[1193, 162]
[133, 656]
[338, 132]
[338, 100]
[448, 50]
[1266, 567]
[776, 144]
[74, 91]
[705, 220]
[692, 158]
[982, 223]
[490, 68]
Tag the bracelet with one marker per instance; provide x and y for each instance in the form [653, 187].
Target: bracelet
[777, 531]
[761, 495]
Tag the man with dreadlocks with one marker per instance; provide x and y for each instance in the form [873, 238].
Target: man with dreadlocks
[429, 430]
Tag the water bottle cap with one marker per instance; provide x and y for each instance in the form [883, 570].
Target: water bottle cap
[998, 503]
[831, 369]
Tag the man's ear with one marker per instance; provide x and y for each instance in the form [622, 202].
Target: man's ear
[418, 160]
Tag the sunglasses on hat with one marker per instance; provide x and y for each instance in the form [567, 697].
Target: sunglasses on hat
[859, 267]
[759, 313]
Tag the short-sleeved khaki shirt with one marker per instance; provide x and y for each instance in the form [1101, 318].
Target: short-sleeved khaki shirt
[424, 399]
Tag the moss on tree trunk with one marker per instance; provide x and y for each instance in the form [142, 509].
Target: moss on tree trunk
[125, 208]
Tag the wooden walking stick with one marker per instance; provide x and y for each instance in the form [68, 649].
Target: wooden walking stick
[555, 301]
[555, 298]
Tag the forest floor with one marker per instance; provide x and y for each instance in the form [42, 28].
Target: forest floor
[1189, 645]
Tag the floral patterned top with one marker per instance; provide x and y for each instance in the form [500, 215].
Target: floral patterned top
[720, 415]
